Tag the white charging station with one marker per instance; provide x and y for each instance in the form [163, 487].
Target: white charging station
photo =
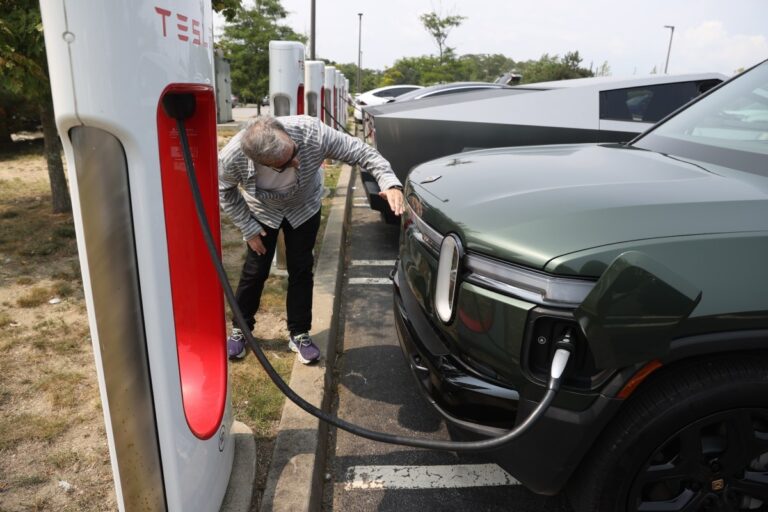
[155, 306]
[330, 95]
[286, 78]
[346, 101]
[339, 102]
[314, 86]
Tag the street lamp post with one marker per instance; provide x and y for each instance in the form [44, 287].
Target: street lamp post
[669, 50]
[359, 50]
[312, 31]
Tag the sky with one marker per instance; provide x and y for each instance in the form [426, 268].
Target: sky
[709, 35]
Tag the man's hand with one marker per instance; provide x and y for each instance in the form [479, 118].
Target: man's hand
[257, 245]
[395, 199]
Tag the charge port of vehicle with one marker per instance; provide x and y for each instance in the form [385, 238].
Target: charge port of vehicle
[543, 333]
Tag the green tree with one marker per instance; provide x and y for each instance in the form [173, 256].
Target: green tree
[424, 70]
[554, 67]
[439, 28]
[485, 67]
[25, 75]
[370, 78]
[245, 43]
[604, 69]
[228, 8]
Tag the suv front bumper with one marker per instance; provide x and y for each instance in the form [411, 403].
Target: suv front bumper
[545, 457]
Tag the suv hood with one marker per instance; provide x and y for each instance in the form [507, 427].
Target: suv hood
[531, 205]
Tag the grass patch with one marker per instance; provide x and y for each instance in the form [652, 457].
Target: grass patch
[28, 481]
[20, 192]
[39, 248]
[62, 289]
[332, 173]
[25, 280]
[5, 319]
[64, 459]
[58, 336]
[17, 428]
[255, 399]
[273, 296]
[33, 231]
[65, 231]
[34, 297]
[5, 394]
[61, 388]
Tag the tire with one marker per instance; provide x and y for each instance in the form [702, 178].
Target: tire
[694, 437]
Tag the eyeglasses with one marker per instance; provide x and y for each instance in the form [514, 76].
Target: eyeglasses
[289, 162]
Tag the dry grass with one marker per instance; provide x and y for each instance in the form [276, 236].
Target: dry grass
[51, 422]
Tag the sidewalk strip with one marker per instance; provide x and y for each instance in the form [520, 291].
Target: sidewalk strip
[370, 280]
[373, 263]
[426, 477]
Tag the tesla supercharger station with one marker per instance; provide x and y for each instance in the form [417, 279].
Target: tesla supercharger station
[286, 78]
[346, 100]
[313, 88]
[330, 86]
[339, 106]
[155, 307]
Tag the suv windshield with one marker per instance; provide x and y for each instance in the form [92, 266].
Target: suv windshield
[729, 127]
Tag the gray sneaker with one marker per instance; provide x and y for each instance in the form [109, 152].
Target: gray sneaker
[306, 351]
[236, 345]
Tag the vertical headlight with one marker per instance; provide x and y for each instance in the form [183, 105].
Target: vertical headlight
[447, 277]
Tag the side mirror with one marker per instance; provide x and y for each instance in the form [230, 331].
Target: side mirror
[631, 314]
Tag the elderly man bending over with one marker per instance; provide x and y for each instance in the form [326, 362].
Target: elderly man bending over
[269, 179]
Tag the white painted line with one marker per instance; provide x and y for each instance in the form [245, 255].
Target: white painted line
[373, 263]
[427, 477]
[370, 280]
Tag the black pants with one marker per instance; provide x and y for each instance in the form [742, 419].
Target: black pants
[299, 243]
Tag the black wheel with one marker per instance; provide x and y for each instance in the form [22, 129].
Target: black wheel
[695, 438]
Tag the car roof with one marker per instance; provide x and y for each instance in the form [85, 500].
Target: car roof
[612, 82]
[387, 87]
[448, 86]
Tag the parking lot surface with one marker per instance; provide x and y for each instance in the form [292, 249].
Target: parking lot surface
[376, 390]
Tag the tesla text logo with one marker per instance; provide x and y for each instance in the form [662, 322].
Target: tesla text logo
[187, 29]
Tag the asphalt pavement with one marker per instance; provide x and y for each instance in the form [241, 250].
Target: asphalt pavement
[374, 388]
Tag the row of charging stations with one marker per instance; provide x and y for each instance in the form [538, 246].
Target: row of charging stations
[310, 87]
[157, 334]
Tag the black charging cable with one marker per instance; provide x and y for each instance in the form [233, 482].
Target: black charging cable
[181, 106]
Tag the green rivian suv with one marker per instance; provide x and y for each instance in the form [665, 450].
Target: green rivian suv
[652, 257]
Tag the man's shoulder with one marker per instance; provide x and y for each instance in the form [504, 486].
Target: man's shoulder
[232, 148]
[298, 122]
[305, 128]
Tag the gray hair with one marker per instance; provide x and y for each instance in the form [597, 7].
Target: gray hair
[262, 140]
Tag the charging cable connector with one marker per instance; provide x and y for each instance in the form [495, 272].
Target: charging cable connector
[564, 348]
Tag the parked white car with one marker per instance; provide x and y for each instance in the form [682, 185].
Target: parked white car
[380, 96]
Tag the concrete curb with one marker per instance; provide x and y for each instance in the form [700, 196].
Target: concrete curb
[295, 478]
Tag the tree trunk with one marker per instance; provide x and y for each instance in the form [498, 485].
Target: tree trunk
[5, 132]
[52, 151]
